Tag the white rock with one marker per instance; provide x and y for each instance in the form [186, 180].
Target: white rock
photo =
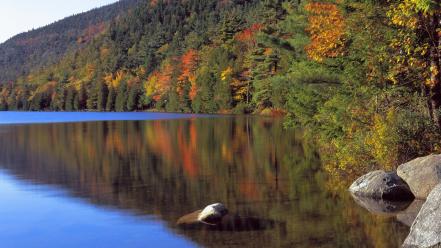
[212, 213]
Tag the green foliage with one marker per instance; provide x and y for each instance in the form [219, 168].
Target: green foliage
[121, 97]
[110, 104]
[70, 99]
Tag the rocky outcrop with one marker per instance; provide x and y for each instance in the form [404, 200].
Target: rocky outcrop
[426, 230]
[421, 174]
[381, 185]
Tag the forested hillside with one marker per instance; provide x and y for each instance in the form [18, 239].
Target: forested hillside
[361, 77]
[47, 45]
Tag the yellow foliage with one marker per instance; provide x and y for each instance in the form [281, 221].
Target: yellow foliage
[326, 27]
[150, 85]
[114, 80]
[383, 140]
[226, 73]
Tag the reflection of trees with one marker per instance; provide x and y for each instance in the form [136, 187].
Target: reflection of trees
[170, 168]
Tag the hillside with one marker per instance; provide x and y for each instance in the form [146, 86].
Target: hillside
[360, 77]
[44, 46]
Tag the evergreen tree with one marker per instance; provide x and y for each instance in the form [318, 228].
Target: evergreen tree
[102, 96]
[121, 97]
[82, 98]
[110, 104]
[77, 102]
[133, 97]
[69, 102]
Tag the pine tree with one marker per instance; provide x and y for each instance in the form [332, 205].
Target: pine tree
[133, 97]
[82, 98]
[102, 96]
[110, 104]
[76, 102]
[121, 97]
[69, 102]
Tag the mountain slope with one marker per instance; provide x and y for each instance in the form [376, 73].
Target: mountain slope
[173, 55]
[45, 46]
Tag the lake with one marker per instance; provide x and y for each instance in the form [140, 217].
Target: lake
[124, 179]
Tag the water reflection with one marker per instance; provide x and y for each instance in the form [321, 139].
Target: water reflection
[172, 167]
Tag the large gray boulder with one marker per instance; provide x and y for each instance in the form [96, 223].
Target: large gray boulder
[426, 230]
[381, 185]
[421, 174]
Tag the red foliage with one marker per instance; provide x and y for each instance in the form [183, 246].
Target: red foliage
[248, 35]
[189, 65]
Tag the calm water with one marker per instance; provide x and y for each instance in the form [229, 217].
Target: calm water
[125, 183]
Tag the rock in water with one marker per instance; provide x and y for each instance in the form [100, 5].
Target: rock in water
[209, 216]
[190, 220]
[426, 230]
[421, 174]
[213, 213]
[382, 185]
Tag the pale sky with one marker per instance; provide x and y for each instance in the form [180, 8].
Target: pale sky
[17, 16]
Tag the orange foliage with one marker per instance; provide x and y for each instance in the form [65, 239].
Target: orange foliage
[161, 81]
[188, 153]
[189, 64]
[248, 35]
[327, 30]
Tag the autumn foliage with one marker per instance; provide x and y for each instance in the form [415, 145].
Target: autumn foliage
[189, 65]
[326, 27]
[159, 82]
[248, 35]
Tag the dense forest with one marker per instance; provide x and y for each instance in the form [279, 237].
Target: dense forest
[47, 45]
[360, 76]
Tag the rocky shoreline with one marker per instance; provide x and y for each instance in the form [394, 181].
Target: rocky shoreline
[412, 194]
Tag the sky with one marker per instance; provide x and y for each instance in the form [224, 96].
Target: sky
[17, 16]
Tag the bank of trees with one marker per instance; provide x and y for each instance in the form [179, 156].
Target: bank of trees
[362, 76]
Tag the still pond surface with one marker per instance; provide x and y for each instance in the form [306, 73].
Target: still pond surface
[125, 183]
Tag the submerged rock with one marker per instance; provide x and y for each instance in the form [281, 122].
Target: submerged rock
[421, 174]
[381, 185]
[216, 217]
[210, 215]
[190, 220]
[426, 230]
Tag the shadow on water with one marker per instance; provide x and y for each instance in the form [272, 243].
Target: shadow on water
[269, 177]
